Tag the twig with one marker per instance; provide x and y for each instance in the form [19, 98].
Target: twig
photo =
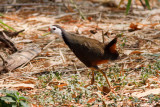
[62, 56]
[25, 4]
[65, 5]
[48, 45]
[144, 6]
[146, 40]
[65, 14]
[102, 36]
[100, 17]
[120, 3]
[72, 70]
[61, 71]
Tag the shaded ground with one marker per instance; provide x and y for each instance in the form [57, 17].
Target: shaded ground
[57, 77]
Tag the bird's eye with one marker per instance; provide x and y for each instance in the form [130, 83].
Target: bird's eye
[54, 28]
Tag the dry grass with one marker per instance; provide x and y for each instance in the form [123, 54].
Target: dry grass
[56, 77]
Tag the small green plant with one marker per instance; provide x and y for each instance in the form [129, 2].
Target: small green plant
[75, 91]
[12, 99]
[45, 79]
[150, 70]
[129, 4]
[135, 101]
[3, 25]
[153, 98]
[124, 41]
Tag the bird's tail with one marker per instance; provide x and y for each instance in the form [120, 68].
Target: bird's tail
[111, 45]
[110, 50]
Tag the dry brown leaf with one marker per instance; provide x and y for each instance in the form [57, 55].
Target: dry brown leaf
[134, 26]
[62, 85]
[135, 52]
[48, 63]
[91, 100]
[11, 18]
[74, 95]
[153, 24]
[130, 52]
[140, 24]
[34, 105]
[28, 82]
[90, 18]
[66, 19]
[104, 89]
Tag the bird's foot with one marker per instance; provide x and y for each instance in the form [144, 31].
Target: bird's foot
[92, 82]
[88, 85]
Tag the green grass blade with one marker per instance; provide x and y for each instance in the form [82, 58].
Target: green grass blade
[3, 27]
[1, 22]
[128, 6]
[147, 4]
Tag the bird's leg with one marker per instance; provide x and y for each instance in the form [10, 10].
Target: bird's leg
[110, 87]
[92, 79]
[105, 77]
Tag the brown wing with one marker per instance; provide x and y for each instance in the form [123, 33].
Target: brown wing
[86, 49]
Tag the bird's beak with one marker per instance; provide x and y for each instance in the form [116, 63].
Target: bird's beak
[49, 29]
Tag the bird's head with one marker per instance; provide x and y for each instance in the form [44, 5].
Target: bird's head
[55, 29]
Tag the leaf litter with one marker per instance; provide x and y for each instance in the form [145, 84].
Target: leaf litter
[57, 77]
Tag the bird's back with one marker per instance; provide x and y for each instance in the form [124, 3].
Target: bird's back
[89, 51]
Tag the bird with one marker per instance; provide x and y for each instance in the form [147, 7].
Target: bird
[89, 51]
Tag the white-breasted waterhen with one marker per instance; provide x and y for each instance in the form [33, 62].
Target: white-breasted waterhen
[89, 51]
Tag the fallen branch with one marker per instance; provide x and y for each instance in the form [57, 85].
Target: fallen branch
[4, 38]
[19, 58]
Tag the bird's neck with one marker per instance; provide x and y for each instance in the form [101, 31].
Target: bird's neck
[66, 37]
